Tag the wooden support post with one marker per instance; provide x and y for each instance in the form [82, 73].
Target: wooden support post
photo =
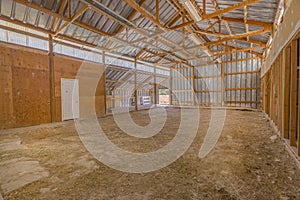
[193, 85]
[298, 57]
[52, 81]
[135, 87]
[280, 97]
[223, 83]
[286, 92]
[104, 80]
[155, 87]
[204, 7]
[293, 94]
[170, 89]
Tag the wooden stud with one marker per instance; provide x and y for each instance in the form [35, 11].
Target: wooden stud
[52, 81]
[104, 85]
[135, 87]
[293, 94]
[286, 92]
[155, 87]
[223, 83]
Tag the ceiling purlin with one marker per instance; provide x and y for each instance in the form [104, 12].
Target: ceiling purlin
[130, 17]
[125, 23]
[225, 22]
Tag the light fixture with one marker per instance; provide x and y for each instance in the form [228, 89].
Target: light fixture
[191, 10]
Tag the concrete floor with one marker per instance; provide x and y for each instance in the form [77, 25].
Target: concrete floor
[50, 162]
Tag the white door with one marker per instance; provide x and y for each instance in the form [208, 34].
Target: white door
[69, 98]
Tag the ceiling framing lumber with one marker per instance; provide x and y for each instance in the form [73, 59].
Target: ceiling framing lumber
[228, 9]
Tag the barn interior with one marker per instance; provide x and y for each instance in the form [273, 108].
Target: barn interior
[150, 99]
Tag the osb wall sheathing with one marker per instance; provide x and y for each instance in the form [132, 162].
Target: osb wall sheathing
[286, 31]
[89, 83]
[25, 88]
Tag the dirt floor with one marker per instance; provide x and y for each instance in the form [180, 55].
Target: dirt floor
[50, 162]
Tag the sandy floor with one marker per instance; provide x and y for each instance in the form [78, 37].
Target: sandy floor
[50, 162]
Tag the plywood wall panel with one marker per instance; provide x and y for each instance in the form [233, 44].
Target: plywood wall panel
[91, 100]
[25, 87]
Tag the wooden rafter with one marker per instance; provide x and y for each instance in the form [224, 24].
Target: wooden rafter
[54, 14]
[228, 9]
[121, 28]
[235, 36]
[225, 22]
[60, 11]
[238, 37]
[75, 17]
[144, 12]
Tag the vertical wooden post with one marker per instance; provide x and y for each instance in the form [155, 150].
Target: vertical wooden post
[204, 6]
[223, 83]
[104, 80]
[171, 86]
[279, 88]
[286, 92]
[298, 57]
[155, 86]
[52, 81]
[135, 87]
[193, 86]
[293, 94]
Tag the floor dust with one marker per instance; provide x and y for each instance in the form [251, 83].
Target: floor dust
[50, 162]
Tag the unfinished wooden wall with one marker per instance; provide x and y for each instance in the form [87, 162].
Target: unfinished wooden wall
[235, 82]
[281, 92]
[25, 88]
[67, 67]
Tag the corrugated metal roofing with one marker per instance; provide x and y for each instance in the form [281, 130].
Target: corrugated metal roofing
[146, 36]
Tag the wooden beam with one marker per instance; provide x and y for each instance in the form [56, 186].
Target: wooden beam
[225, 22]
[230, 8]
[155, 87]
[152, 56]
[20, 23]
[204, 6]
[60, 11]
[135, 87]
[181, 25]
[130, 18]
[52, 81]
[238, 36]
[293, 94]
[267, 26]
[223, 83]
[144, 12]
[49, 12]
[76, 16]
[69, 8]
[157, 10]
[286, 94]
[233, 36]
[104, 80]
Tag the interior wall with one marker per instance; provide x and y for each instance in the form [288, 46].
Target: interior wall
[67, 67]
[25, 88]
[235, 82]
[281, 92]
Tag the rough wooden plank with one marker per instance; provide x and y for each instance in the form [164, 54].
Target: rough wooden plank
[293, 94]
[286, 103]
